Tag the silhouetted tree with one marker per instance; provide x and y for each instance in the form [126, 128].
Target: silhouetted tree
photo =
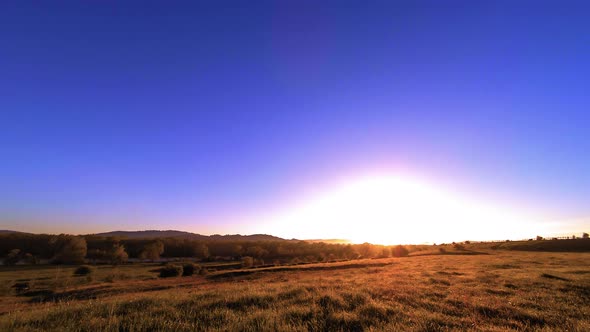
[13, 257]
[31, 259]
[70, 250]
[256, 251]
[117, 254]
[237, 250]
[585, 236]
[152, 251]
[200, 250]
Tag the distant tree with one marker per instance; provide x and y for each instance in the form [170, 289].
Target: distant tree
[385, 252]
[152, 251]
[539, 238]
[256, 251]
[349, 252]
[399, 251]
[71, 250]
[200, 250]
[585, 236]
[367, 250]
[13, 257]
[117, 254]
[573, 237]
[247, 261]
[31, 259]
[237, 250]
[458, 246]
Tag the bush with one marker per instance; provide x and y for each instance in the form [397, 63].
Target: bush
[170, 271]
[247, 261]
[458, 246]
[189, 269]
[13, 257]
[83, 270]
[399, 251]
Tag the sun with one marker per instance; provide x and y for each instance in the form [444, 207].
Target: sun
[387, 209]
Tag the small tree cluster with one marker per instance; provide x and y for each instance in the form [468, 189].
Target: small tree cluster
[70, 250]
[13, 257]
[152, 251]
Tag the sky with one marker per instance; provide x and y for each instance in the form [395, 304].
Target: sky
[280, 117]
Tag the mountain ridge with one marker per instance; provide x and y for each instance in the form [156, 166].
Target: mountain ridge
[188, 235]
[170, 233]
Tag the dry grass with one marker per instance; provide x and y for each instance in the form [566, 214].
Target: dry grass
[496, 292]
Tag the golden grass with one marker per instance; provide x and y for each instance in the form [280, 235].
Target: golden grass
[497, 292]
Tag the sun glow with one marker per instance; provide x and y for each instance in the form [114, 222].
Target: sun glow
[390, 209]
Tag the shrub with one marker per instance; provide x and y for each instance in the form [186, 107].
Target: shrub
[170, 271]
[83, 270]
[30, 259]
[13, 257]
[189, 269]
[458, 246]
[247, 261]
[399, 251]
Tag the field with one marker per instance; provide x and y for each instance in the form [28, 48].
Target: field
[493, 291]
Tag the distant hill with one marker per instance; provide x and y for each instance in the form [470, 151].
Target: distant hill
[5, 231]
[330, 241]
[189, 235]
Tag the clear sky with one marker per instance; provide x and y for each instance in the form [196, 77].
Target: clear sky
[221, 116]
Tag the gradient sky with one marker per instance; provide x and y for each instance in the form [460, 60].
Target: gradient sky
[202, 115]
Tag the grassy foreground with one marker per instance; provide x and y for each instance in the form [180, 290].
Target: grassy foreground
[496, 292]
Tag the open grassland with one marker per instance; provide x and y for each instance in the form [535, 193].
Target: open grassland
[491, 292]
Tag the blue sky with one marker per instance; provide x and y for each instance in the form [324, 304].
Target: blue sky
[185, 115]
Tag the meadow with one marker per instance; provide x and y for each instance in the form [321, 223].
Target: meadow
[491, 290]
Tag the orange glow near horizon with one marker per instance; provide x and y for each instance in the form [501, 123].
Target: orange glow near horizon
[384, 209]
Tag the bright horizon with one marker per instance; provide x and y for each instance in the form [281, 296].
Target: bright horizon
[372, 122]
[394, 209]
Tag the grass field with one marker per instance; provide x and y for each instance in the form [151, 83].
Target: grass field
[494, 291]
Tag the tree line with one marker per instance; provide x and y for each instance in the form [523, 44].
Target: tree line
[69, 249]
